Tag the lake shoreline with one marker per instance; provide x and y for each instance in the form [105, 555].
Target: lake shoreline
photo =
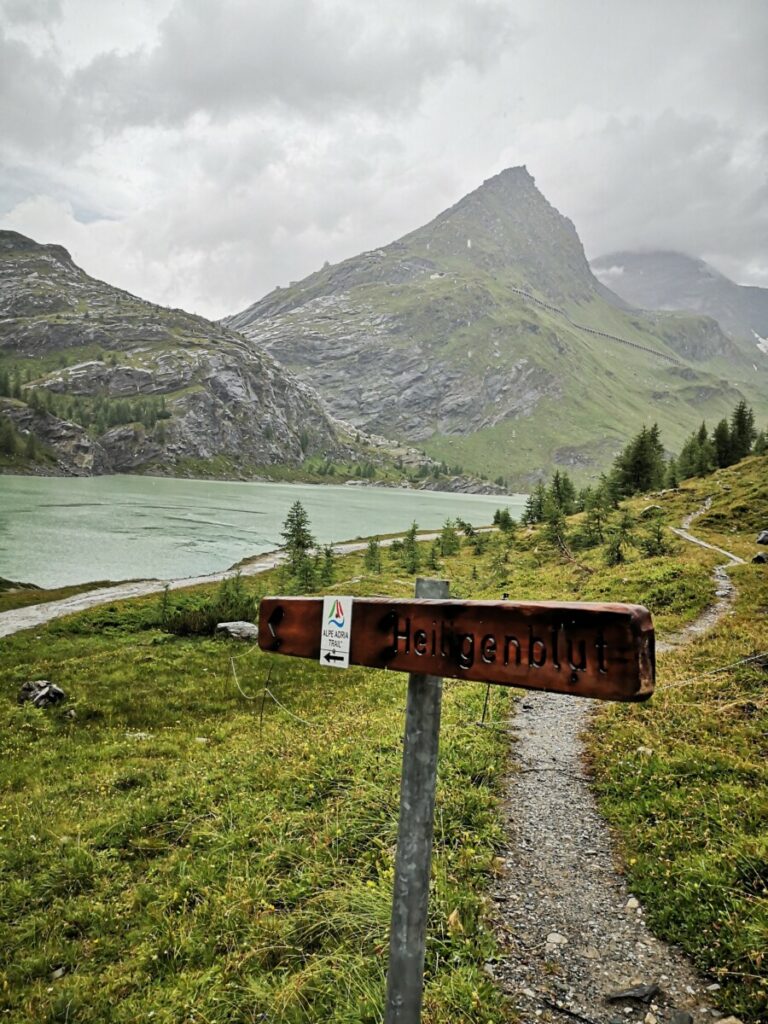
[452, 485]
[64, 531]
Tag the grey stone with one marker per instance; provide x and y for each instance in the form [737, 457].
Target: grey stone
[760, 558]
[643, 993]
[681, 1017]
[40, 693]
[762, 537]
[239, 630]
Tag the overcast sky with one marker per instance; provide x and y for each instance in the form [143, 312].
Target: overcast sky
[200, 152]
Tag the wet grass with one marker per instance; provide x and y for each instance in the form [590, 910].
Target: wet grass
[181, 850]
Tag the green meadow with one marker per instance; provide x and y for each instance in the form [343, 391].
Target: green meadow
[210, 836]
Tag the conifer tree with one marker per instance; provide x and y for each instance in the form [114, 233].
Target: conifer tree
[372, 557]
[742, 430]
[411, 559]
[450, 542]
[298, 542]
[723, 444]
[8, 443]
[504, 520]
[563, 492]
[327, 567]
[619, 539]
[705, 453]
[534, 506]
[686, 463]
[640, 466]
[554, 523]
[433, 558]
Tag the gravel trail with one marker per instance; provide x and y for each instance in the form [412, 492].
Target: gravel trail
[725, 592]
[574, 932]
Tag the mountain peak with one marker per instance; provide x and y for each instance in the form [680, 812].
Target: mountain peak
[15, 242]
[507, 226]
[511, 176]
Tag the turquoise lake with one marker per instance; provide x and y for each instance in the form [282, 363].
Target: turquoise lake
[56, 531]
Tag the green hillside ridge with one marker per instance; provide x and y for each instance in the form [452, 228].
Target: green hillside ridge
[430, 339]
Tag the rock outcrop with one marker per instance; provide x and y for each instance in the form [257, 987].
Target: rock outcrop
[106, 382]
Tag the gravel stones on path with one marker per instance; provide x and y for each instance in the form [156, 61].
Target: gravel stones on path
[574, 934]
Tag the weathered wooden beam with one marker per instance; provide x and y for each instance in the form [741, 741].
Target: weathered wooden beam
[605, 651]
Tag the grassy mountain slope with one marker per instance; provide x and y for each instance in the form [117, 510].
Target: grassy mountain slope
[461, 336]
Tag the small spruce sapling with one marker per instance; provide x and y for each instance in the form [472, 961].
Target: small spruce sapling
[372, 557]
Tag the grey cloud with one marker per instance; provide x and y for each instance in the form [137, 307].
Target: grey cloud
[29, 12]
[296, 54]
[248, 142]
[694, 184]
[32, 89]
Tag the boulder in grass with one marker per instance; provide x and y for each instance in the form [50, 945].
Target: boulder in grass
[762, 537]
[239, 630]
[40, 693]
[761, 558]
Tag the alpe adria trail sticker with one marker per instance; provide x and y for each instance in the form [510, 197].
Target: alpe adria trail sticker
[336, 631]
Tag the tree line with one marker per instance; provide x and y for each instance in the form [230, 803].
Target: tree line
[308, 566]
[96, 414]
[643, 466]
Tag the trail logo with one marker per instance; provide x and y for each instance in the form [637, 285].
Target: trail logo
[336, 634]
[336, 617]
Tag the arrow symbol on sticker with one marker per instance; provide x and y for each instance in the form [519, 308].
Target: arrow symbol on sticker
[333, 657]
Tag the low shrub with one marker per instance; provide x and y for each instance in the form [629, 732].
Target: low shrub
[199, 614]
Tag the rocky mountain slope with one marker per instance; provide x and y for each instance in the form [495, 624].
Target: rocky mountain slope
[97, 381]
[672, 280]
[485, 337]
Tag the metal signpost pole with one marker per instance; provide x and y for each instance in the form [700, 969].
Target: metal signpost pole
[405, 977]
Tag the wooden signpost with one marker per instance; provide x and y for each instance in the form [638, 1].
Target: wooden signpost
[588, 650]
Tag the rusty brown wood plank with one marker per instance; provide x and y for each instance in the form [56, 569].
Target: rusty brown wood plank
[589, 650]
